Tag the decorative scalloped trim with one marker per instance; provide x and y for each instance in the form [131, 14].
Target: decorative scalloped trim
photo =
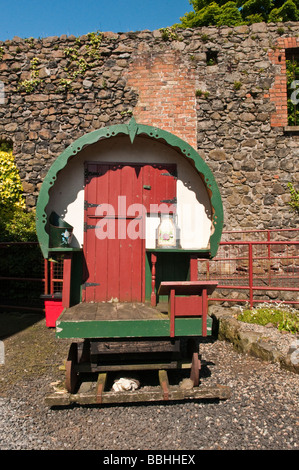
[132, 129]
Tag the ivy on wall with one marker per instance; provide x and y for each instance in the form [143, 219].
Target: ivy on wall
[294, 202]
[80, 58]
[30, 84]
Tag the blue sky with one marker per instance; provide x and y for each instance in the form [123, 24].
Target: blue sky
[42, 18]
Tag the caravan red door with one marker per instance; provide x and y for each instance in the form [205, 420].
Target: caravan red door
[117, 199]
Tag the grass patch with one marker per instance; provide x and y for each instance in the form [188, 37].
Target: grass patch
[284, 319]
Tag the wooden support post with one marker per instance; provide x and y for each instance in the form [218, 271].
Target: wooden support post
[51, 278]
[193, 268]
[204, 311]
[101, 382]
[66, 288]
[153, 294]
[71, 373]
[172, 312]
[46, 272]
[163, 379]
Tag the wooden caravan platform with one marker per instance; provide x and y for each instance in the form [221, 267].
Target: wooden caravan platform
[126, 338]
[124, 320]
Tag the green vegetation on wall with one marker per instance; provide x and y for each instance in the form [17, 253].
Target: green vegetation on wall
[283, 318]
[294, 202]
[80, 58]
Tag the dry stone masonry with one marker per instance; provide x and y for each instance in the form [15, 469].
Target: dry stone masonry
[223, 90]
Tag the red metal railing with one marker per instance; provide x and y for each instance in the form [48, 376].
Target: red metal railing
[261, 234]
[252, 269]
[53, 275]
[247, 270]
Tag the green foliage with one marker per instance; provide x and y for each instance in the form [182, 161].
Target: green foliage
[95, 40]
[237, 85]
[81, 58]
[294, 202]
[284, 319]
[256, 7]
[31, 84]
[64, 85]
[213, 14]
[287, 12]
[169, 34]
[10, 183]
[229, 16]
[15, 223]
[233, 13]
[202, 94]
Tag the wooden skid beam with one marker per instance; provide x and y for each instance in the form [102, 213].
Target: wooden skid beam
[175, 393]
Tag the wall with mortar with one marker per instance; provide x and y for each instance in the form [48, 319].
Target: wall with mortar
[223, 90]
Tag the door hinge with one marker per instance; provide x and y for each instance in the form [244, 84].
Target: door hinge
[89, 204]
[169, 174]
[92, 173]
[170, 201]
[90, 284]
[87, 227]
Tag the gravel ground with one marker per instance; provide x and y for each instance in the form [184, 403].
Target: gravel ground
[262, 413]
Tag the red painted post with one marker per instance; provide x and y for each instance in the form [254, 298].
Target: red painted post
[269, 256]
[51, 278]
[172, 312]
[250, 261]
[204, 311]
[153, 294]
[193, 268]
[66, 288]
[46, 287]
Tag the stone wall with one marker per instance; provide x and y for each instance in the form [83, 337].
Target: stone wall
[223, 90]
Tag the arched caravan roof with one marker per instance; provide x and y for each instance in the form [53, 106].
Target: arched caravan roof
[132, 129]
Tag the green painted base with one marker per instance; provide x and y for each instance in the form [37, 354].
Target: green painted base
[130, 328]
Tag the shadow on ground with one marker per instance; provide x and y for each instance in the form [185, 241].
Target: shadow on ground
[14, 322]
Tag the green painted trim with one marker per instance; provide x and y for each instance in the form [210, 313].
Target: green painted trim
[64, 250]
[130, 328]
[176, 250]
[132, 130]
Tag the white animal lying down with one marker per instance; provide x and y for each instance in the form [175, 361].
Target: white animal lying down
[123, 384]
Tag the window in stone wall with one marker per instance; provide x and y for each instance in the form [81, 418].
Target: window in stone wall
[212, 57]
[292, 68]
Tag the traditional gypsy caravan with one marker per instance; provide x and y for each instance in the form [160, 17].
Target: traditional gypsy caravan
[131, 207]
